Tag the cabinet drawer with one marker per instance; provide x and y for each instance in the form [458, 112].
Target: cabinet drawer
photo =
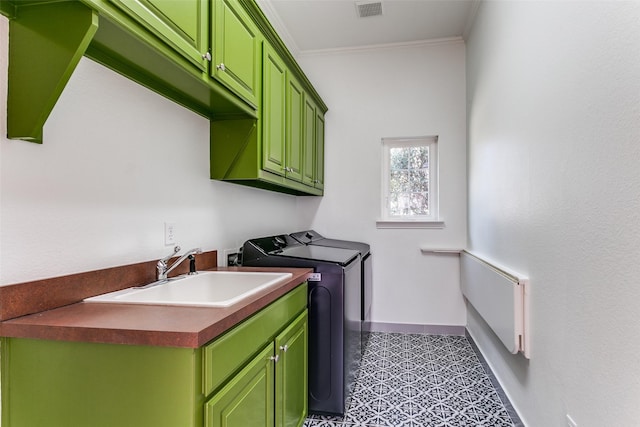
[227, 354]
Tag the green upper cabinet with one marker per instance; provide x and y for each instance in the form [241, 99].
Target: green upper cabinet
[219, 58]
[236, 52]
[313, 143]
[295, 128]
[282, 118]
[184, 25]
[273, 112]
[284, 149]
[51, 37]
[319, 153]
[161, 44]
[309, 142]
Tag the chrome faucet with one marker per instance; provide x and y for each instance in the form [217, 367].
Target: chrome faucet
[163, 269]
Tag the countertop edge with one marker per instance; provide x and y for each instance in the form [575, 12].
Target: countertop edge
[105, 323]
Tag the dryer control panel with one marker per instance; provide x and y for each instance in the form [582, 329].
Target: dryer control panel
[274, 244]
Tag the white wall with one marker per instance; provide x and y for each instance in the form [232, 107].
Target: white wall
[117, 162]
[554, 192]
[386, 92]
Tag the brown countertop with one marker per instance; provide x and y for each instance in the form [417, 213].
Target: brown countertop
[155, 325]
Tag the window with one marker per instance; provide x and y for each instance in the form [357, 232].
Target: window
[410, 182]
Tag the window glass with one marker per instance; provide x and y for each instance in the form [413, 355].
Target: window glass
[410, 178]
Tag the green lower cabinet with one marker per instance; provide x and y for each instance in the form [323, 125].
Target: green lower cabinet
[291, 374]
[253, 375]
[76, 384]
[246, 400]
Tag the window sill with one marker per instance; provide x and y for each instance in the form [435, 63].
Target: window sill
[389, 223]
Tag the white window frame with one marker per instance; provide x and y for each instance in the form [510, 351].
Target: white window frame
[432, 220]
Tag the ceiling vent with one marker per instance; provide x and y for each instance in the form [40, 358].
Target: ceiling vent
[369, 8]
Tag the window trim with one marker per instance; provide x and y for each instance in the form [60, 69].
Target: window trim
[432, 220]
[385, 223]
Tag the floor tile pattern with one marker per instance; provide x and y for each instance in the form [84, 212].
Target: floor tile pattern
[411, 380]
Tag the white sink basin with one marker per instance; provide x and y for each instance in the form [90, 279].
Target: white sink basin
[205, 289]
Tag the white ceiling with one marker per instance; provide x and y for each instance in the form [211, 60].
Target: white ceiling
[312, 25]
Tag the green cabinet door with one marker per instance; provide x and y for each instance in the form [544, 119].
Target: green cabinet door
[183, 25]
[247, 400]
[294, 126]
[313, 169]
[309, 143]
[319, 179]
[236, 50]
[273, 112]
[291, 374]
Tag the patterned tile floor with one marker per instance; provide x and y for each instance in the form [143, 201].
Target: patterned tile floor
[410, 380]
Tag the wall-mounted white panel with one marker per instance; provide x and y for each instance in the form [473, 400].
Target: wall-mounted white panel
[499, 297]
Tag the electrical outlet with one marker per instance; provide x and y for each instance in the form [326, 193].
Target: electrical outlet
[229, 257]
[570, 422]
[169, 233]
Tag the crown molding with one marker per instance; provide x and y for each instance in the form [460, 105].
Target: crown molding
[277, 24]
[374, 47]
